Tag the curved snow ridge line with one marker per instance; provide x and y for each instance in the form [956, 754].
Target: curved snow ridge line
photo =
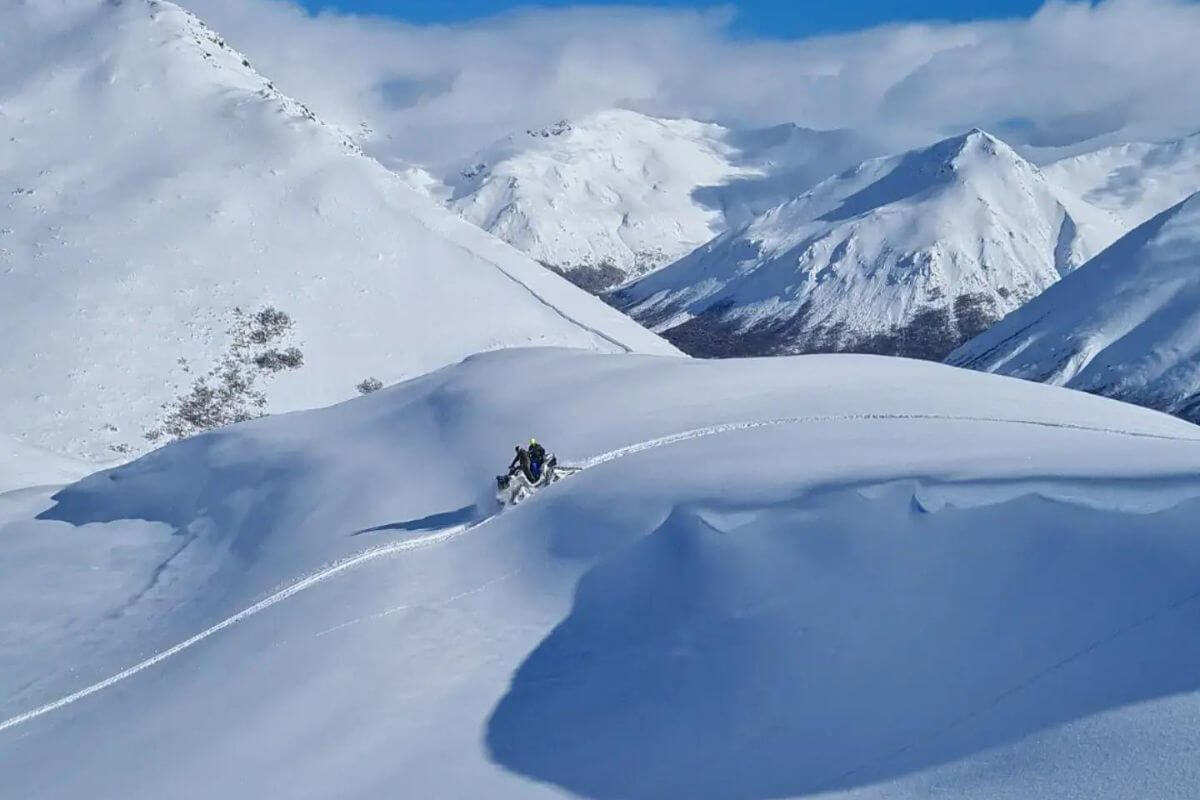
[279, 596]
[533, 292]
[726, 427]
[454, 532]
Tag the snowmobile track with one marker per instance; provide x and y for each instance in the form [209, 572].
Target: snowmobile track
[448, 534]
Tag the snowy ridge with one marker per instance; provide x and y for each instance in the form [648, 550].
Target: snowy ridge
[618, 194]
[904, 255]
[459, 530]
[705, 518]
[1123, 325]
[454, 532]
[201, 189]
[1133, 181]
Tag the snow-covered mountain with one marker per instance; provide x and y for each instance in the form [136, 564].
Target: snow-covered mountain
[152, 183]
[908, 255]
[1125, 325]
[1133, 181]
[618, 193]
[780, 578]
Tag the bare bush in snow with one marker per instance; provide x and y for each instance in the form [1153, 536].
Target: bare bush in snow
[229, 392]
[369, 385]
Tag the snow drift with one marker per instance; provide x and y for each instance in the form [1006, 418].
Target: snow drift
[153, 183]
[860, 576]
[907, 255]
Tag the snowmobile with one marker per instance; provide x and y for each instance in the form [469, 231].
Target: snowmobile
[518, 485]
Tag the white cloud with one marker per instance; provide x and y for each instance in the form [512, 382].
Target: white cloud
[1121, 69]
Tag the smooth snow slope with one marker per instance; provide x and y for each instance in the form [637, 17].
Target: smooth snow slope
[22, 465]
[906, 255]
[1133, 181]
[861, 576]
[151, 182]
[1125, 325]
[617, 194]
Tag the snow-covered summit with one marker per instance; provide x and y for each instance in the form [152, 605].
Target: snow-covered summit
[618, 193]
[151, 183]
[1125, 325]
[909, 255]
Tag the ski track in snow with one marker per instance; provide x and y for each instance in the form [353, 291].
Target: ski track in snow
[262, 605]
[742, 426]
[448, 534]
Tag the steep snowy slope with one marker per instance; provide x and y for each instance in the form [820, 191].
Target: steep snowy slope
[860, 576]
[1126, 324]
[1133, 181]
[619, 193]
[151, 183]
[905, 255]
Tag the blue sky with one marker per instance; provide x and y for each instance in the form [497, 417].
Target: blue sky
[775, 18]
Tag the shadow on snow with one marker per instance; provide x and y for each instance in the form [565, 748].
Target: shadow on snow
[444, 519]
[805, 651]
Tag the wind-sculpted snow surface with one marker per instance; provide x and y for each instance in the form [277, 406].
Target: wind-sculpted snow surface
[771, 578]
[795, 651]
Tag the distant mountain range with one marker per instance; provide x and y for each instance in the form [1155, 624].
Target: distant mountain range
[618, 194]
[905, 255]
[781, 241]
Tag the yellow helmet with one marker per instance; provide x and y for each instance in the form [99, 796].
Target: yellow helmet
[532, 442]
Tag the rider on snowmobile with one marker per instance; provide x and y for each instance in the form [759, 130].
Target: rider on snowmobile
[529, 461]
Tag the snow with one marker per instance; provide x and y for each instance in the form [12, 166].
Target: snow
[22, 465]
[152, 182]
[1124, 325]
[1134, 181]
[852, 576]
[617, 193]
[908, 254]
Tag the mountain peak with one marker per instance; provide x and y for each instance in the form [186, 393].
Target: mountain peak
[615, 193]
[560, 128]
[1122, 325]
[200, 191]
[975, 143]
[905, 255]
